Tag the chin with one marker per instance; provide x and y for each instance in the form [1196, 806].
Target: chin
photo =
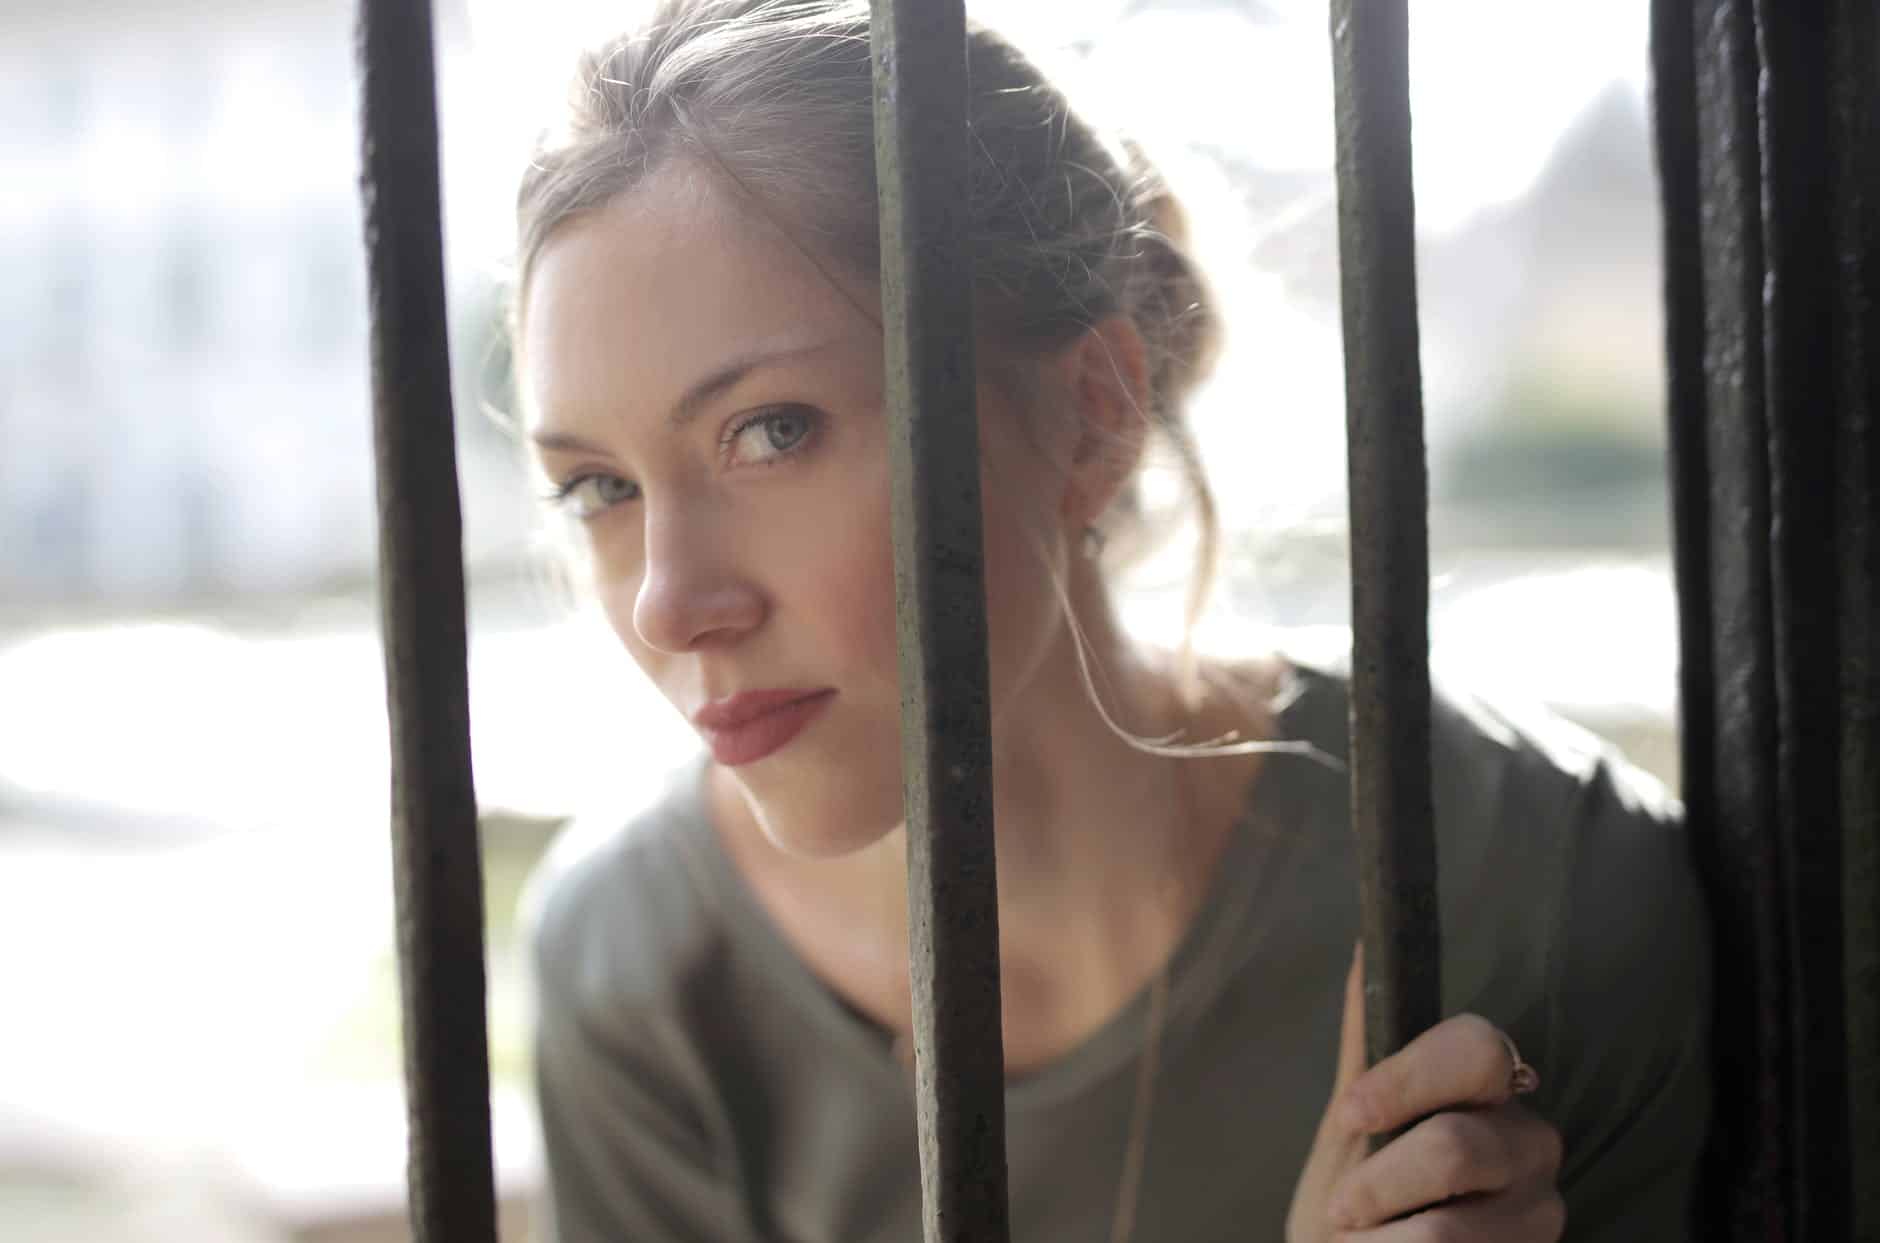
[817, 814]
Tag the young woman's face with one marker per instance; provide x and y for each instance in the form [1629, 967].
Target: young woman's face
[708, 403]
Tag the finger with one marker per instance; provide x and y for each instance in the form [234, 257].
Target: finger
[1335, 1148]
[1459, 1062]
[1535, 1215]
[1351, 1027]
[1462, 1153]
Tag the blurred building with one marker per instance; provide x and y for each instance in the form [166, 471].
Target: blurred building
[183, 392]
[184, 402]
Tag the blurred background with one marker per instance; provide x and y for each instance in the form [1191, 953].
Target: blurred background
[198, 1015]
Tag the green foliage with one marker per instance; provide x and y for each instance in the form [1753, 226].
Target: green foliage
[1556, 465]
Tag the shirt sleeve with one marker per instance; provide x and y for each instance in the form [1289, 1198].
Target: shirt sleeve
[1629, 1016]
[627, 1158]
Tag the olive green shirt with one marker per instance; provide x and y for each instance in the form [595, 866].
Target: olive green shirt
[698, 1082]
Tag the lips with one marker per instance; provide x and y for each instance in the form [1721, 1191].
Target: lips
[749, 726]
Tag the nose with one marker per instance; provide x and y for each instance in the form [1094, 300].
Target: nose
[692, 592]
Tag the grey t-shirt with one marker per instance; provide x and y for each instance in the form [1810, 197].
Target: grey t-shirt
[698, 1082]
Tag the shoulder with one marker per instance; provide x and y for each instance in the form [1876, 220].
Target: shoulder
[1572, 917]
[624, 955]
[1579, 854]
[1530, 807]
[1558, 860]
[616, 917]
[1512, 782]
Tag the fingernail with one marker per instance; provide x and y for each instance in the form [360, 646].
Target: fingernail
[1354, 1112]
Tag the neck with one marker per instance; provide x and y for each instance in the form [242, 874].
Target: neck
[1089, 827]
[1103, 850]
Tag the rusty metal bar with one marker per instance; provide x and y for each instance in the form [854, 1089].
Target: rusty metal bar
[436, 869]
[919, 49]
[1391, 805]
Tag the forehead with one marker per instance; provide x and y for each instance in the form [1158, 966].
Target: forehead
[666, 283]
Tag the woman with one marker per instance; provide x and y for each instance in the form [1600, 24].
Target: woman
[722, 986]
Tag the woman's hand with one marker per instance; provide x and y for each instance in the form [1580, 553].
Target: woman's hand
[1478, 1166]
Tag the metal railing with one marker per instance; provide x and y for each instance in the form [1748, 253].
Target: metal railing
[1766, 118]
[437, 866]
[1766, 127]
[1391, 809]
[952, 882]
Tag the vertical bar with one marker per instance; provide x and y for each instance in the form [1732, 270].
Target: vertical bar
[1780, 98]
[1739, 1098]
[1674, 113]
[1749, 1165]
[919, 49]
[1854, 122]
[436, 869]
[1799, 283]
[1391, 804]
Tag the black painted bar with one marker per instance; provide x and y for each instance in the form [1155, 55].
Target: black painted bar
[1799, 280]
[1674, 115]
[1739, 1097]
[1765, 124]
[436, 869]
[1854, 187]
[1391, 804]
[921, 156]
[1749, 1188]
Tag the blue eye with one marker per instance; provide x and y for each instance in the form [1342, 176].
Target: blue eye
[586, 496]
[772, 434]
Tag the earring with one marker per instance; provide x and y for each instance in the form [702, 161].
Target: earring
[1093, 542]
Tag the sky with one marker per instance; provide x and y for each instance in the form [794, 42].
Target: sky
[1493, 82]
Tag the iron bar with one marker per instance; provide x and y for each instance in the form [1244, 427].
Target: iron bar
[1854, 189]
[1765, 125]
[1750, 1161]
[919, 50]
[1740, 1097]
[1674, 115]
[1799, 281]
[1391, 800]
[436, 869]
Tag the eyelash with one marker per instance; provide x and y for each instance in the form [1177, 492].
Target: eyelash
[562, 495]
[770, 414]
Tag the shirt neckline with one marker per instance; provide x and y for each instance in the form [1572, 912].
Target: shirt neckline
[1263, 846]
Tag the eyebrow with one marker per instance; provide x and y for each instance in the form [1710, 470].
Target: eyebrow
[699, 396]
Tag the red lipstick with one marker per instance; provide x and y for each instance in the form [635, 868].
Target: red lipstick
[746, 727]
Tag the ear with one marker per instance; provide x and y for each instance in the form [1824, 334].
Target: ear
[1106, 372]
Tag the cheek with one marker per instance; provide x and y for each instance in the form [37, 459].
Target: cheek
[851, 591]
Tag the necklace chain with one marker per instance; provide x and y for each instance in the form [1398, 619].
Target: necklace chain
[1129, 1183]
[1136, 1146]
